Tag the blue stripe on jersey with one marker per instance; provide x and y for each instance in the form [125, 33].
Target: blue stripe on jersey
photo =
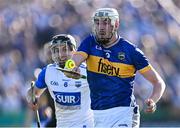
[111, 72]
[40, 82]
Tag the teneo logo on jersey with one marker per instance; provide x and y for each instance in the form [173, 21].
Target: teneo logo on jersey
[68, 98]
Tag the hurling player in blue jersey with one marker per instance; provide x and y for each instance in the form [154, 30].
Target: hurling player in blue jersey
[112, 63]
[71, 96]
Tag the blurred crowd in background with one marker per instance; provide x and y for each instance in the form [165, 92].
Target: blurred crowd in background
[27, 25]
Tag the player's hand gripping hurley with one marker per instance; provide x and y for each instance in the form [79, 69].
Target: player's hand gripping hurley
[34, 102]
[68, 70]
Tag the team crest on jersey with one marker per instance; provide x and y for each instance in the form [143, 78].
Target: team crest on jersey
[78, 84]
[121, 55]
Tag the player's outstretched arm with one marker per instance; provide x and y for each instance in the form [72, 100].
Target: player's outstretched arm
[158, 89]
[78, 59]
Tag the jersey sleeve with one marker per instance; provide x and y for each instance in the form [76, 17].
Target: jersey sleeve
[140, 61]
[40, 82]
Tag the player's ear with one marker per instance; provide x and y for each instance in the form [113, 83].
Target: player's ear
[117, 24]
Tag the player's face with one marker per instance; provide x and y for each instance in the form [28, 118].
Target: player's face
[103, 30]
[62, 53]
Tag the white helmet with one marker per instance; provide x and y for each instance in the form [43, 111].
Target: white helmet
[105, 13]
[61, 39]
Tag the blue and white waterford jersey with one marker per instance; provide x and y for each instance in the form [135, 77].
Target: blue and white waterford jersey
[111, 72]
[71, 97]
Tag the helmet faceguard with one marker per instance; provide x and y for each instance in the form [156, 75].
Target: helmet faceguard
[61, 48]
[105, 24]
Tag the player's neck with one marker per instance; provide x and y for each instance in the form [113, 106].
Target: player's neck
[114, 40]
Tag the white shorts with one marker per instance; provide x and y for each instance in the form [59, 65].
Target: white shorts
[86, 123]
[122, 117]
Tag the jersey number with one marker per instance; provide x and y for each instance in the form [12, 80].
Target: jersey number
[65, 84]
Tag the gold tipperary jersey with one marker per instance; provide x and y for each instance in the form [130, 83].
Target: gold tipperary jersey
[111, 71]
